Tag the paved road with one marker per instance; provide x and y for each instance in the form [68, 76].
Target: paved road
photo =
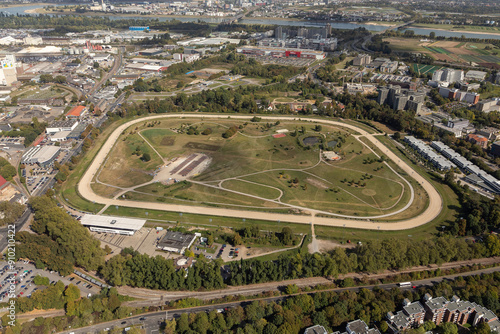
[116, 66]
[431, 212]
[25, 217]
[151, 321]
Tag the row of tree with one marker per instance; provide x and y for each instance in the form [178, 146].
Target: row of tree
[334, 309]
[131, 268]
[79, 311]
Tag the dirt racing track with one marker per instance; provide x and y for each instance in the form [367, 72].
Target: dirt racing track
[432, 211]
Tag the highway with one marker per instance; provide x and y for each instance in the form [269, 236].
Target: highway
[431, 212]
[151, 321]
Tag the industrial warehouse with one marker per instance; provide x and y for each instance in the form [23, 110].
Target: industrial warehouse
[281, 52]
[41, 155]
[111, 224]
[177, 242]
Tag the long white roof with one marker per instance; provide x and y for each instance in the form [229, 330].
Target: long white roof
[113, 222]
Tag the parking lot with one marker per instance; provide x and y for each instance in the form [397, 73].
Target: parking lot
[144, 241]
[23, 276]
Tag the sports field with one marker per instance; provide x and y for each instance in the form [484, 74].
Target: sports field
[254, 170]
[426, 69]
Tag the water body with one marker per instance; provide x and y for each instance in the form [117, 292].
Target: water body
[427, 31]
[309, 141]
[332, 144]
[269, 21]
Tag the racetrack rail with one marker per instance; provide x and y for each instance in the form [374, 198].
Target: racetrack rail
[431, 212]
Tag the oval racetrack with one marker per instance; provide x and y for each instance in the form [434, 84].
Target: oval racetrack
[432, 211]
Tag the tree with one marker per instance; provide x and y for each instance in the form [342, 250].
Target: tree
[210, 240]
[448, 328]
[60, 79]
[493, 245]
[40, 280]
[449, 177]
[45, 78]
[432, 35]
[384, 326]
[237, 240]
[287, 235]
[146, 157]
[396, 136]
[291, 289]
[429, 325]
[482, 328]
[71, 293]
[95, 65]
[10, 212]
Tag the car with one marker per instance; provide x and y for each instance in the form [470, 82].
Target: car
[21, 293]
[124, 322]
[142, 319]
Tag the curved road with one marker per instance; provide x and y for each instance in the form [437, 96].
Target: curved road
[431, 212]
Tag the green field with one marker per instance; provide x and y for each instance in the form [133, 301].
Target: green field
[437, 50]
[425, 69]
[252, 170]
[451, 27]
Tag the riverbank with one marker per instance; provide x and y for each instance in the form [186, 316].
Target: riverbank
[24, 5]
[43, 11]
[382, 24]
[451, 28]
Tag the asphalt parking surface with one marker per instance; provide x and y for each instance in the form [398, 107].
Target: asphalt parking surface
[24, 273]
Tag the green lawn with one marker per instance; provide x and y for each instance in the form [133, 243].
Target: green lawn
[162, 218]
[451, 27]
[451, 208]
[349, 186]
[67, 191]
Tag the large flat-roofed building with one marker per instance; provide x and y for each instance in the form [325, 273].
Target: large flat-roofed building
[41, 155]
[177, 242]
[111, 224]
[59, 126]
[281, 52]
[76, 112]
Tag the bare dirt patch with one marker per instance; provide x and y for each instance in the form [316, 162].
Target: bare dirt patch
[446, 44]
[369, 192]
[317, 183]
[167, 141]
[201, 146]
[462, 51]
[328, 245]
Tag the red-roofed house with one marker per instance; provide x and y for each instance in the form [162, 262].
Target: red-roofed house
[478, 140]
[76, 112]
[9, 193]
[3, 182]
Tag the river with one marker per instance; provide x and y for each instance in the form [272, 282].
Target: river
[284, 22]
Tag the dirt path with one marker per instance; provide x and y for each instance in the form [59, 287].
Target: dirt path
[431, 212]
